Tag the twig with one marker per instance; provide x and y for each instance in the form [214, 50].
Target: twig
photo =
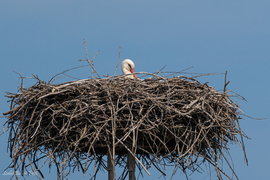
[52, 79]
[226, 83]
[92, 71]
[117, 60]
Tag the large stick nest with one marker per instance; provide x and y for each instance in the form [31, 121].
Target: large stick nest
[162, 121]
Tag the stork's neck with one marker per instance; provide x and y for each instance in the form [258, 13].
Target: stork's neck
[125, 71]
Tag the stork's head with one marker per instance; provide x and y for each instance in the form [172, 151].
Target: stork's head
[128, 68]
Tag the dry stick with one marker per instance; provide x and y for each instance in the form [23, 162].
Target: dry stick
[232, 169]
[71, 76]
[52, 79]
[213, 164]
[38, 123]
[21, 86]
[226, 83]
[38, 169]
[32, 167]
[162, 172]
[43, 163]
[242, 142]
[117, 60]
[91, 63]
[21, 162]
[116, 65]
[95, 71]
[88, 58]
[124, 75]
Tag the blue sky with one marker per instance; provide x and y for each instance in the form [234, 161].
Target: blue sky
[46, 37]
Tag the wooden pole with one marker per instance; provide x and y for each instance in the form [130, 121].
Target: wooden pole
[110, 165]
[111, 154]
[131, 166]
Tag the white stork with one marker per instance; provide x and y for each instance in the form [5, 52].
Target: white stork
[128, 68]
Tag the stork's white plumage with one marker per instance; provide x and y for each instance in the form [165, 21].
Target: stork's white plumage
[128, 68]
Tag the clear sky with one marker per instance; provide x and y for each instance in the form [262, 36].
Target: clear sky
[46, 37]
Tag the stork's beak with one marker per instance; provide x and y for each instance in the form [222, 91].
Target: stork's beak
[132, 71]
